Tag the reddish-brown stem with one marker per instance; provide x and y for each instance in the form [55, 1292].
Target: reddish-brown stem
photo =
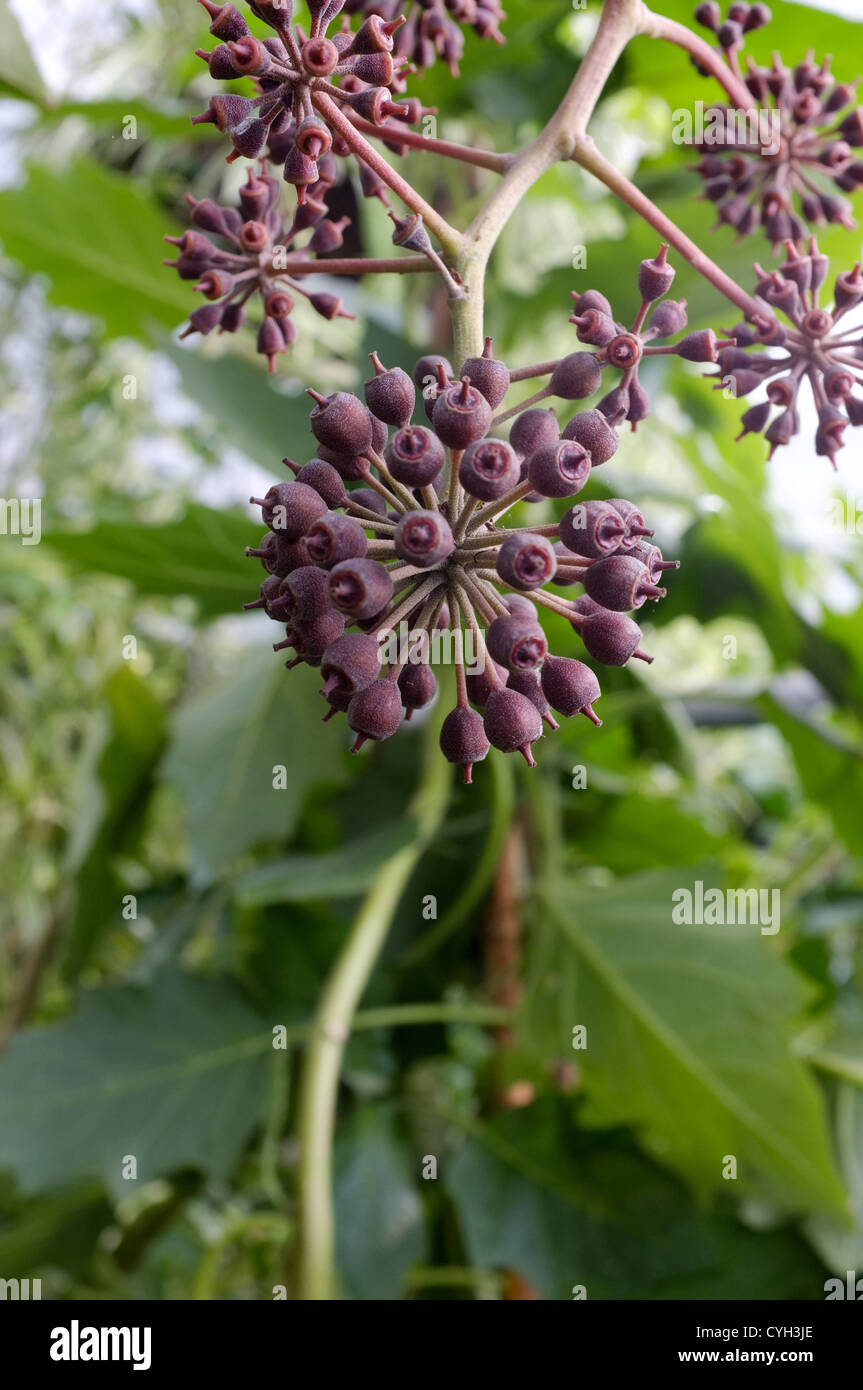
[467, 154]
[657, 26]
[360, 265]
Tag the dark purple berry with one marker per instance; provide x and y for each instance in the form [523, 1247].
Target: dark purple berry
[575, 377]
[480, 684]
[369, 499]
[303, 595]
[517, 642]
[461, 414]
[527, 683]
[512, 723]
[488, 375]
[593, 529]
[360, 588]
[324, 479]
[656, 277]
[341, 422]
[560, 469]
[612, 638]
[488, 469]
[423, 538]
[334, 538]
[390, 394]
[520, 603]
[633, 522]
[526, 561]
[570, 687]
[620, 582]
[417, 686]
[598, 436]
[669, 318]
[463, 739]
[415, 456]
[375, 712]
[350, 663]
[532, 430]
[591, 299]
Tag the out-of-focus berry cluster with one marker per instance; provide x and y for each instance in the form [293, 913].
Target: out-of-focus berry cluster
[398, 529]
[253, 257]
[812, 347]
[797, 178]
[434, 27]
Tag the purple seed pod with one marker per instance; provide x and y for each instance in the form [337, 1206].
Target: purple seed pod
[269, 590]
[350, 663]
[325, 479]
[668, 318]
[520, 603]
[612, 638]
[575, 377]
[615, 403]
[651, 556]
[597, 434]
[312, 638]
[488, 375]
[512, 723]
[583, 606]
[417, 686]
[517, 642]
[632, 520]
[360, 588]
[463, 739]
[303, 596]
[527, 684]
[532, 430]
[341, 422]
[369, 499]
[594, 327]
[570, 687]
[335, 538]
[526, 561]
[423, 538]
[593, 529]
[427, 375]
[461, 414]
[591, 299]
[278, 496]
[700, 346]
[295, 508]
[639, 404]
[488, 469]
[656, 277]
[480, 686]
[621, 583]
[560, 469]
[375, 712]
[390, 394]
[569, 575]
[415, 456]
[350, 467]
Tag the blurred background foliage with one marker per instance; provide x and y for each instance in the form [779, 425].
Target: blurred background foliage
[152, 777]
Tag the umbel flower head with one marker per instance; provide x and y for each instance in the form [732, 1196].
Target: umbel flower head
[434, 28]
[812, 346]
[309, 84]
[795, 179]
[253, 258]
[618, 348]
[398, 527]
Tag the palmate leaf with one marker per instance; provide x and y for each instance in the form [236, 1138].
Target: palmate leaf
[98, 239]
[174, 1075]
[226, 743]
[688, 1031]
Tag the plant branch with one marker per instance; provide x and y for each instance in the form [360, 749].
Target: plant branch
[466, 154]
[332, 1024]
[658, 26]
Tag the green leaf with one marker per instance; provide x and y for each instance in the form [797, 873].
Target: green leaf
[342, 874]
[200, 556]
[98, 239]
[174, 1075]
[839, 1244]
[561, 1209]
[112, 807]
[688, 1031]
[227, 742]
[830, 770]
[379, 1215]
[267, 426]
[17, 65]
[55, 1230]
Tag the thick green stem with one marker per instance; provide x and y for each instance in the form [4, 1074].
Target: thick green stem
[332, 1025]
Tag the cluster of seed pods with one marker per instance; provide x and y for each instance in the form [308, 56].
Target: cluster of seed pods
[796, 178]
[398, 521]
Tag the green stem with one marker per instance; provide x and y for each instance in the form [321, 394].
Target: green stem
[332, 1024]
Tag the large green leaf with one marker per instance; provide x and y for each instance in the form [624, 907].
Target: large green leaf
[173, 1075]
[201, 555]
[688, 1038]
[559, 1209]
[379, 1215]
[17, 65]
[111, 809]
[98, 238]
[227, 742]
[343, 873]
